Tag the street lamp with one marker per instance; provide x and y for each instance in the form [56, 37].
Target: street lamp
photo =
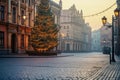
[116, 12]
[104, 21]
[24, 17]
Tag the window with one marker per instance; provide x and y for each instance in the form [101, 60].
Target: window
[29, 3]
[67, 27]
[1, 39]
[23, 1]
[14, 15]
[29, 18]
[33, 1]
[29, 41]
[2, 13]
[22, 41]
[22, 14]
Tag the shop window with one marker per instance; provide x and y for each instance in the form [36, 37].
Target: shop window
[1, 39]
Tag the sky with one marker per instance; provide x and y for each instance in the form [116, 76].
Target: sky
[92, 7]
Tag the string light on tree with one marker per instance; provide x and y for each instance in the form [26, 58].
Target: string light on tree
[44, 33]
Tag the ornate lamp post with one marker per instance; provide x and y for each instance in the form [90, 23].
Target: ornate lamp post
[104, 21]
[116, 12]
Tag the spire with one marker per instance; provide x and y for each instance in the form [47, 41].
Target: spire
[60, 3]
[81, 13]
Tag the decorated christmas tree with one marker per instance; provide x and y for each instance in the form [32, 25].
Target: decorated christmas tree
[44, 33]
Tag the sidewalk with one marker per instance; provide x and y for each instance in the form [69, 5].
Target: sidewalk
[27, 56]
[110, 72]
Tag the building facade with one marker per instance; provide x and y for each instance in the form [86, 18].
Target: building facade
[74, 31]
[16, 20]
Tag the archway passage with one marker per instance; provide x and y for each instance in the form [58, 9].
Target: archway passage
[13, 43]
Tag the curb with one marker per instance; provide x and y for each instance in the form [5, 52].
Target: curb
[26, 56]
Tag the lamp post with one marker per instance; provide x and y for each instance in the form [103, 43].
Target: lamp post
[116, 12]
[104, 21]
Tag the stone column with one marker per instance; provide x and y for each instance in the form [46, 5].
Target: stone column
[19, 13]
[9, 11]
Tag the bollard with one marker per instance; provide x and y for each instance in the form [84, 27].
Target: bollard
[110, 58]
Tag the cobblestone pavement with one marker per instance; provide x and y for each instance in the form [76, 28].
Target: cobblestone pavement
[78, 67]
[111, 72]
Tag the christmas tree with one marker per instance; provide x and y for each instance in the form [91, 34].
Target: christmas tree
[44, 33]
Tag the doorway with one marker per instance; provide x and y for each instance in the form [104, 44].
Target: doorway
[13, 43]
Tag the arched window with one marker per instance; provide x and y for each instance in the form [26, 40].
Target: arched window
[14, 15]
[2, 13]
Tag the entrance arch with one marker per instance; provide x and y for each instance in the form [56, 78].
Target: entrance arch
[13, 43]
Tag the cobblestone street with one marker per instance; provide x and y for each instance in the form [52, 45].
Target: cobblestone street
[77, 67]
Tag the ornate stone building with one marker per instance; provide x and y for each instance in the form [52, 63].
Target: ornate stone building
[16, 20]
[75, 33]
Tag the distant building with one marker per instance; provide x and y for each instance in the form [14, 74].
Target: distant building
[75, 33]
[16, 20]
[96, 40]
[88, 37]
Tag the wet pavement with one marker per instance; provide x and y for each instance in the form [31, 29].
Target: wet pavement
[79, 66]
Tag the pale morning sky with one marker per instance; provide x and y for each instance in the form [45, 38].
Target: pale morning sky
[91, 7]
